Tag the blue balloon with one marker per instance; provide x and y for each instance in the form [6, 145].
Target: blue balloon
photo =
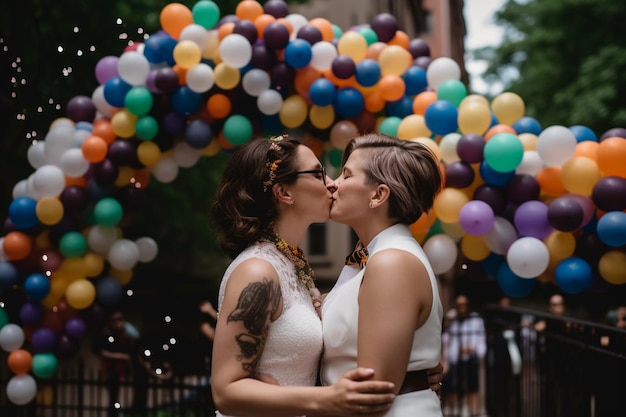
[415, 80]
[367, 72]
[322, 92]
[512, 284]
[31, 313]
[185, 100]
[583, 133]
[115, 90]
[298, 53]
[527, 125]
[159, 48]
[82, 125]
[198, 134]
[400, 108]
[8, 275]
[349, 102]
[611, 228]
[493, 177]
[23, 212]
[492, 263]
[441, 117]
[109, 291]
[37, 286]
[573, 275]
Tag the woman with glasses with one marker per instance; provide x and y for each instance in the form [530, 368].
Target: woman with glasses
[268, 337]
[384, 312]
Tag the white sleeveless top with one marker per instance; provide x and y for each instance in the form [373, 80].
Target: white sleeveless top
[340, 312]
[294, 340]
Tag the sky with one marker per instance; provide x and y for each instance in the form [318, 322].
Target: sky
[481, 31]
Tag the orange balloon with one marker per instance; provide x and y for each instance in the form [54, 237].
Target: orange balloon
[611, 156]
[94, 149]
[17, 245]
[103, 129]
[324, 26]
[223, 142]
[219, 106]
[174, 18]
[248, 9]
[20, 361]
[424, 223]
[304, 78]
[261, 23]
[225, 30]
[500, 128]
[78, 181]
[374, 102]
[347, 82]
[400, 39]
[182, 74]
[373, 51]
[423, 100]
[287, 24]
[391, 87]
[141, 179]
[587, 148]
[549, 179]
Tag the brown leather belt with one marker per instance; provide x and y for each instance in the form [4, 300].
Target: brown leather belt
[414, 381]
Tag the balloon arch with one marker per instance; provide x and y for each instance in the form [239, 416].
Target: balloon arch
[528, 203]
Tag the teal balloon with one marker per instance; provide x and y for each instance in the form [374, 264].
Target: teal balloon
[334, 157]
[4, 318]
[503, 152]
[205, 13]
[452, 91]
[389, 126]
[72, 245]
[45, 365]
[237, 129]
[369, 34]
[108, 212]
[146, 127]
[138, 100]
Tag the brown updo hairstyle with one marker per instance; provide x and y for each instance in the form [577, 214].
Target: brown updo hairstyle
[409, 169]
[244, 209]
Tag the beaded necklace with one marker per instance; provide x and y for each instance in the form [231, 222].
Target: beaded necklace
[304, 271]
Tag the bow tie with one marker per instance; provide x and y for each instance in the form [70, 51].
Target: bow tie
[358, 257]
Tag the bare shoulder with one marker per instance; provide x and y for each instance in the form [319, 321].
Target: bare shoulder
[253, 269]
[397, 261]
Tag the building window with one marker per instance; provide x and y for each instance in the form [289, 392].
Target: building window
[429, 23]
[317, 239]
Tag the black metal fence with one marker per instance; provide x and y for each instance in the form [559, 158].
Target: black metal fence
[570, 368]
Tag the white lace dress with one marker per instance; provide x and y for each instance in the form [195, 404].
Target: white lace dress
[294, 342]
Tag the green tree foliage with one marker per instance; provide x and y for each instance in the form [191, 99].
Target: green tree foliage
[565, 58]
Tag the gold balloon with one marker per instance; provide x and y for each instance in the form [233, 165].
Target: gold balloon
[612, 267]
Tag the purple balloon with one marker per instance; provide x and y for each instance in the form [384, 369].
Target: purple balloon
[74, 198]
[522, 188]
[174, 123]
[43, 340]
[470, 148]
[106, 69]
[565, 214]
[476, 217]
[609, 193]
[531, 219]
[151, 82]
[459, 175]
[419, 47]
[310, 33]
[422, 62]
[66, 347]
[492, 196]
[81, 109]
[276, 35]
[122, 152]
[618, 132]
[166, 80]
[343, 67]
[106, 172]
[385, 25]
[75, 327]
[282, 75]
[246, 29]
[276, 8]
[31, 313]
[587, 205]
[262, 57]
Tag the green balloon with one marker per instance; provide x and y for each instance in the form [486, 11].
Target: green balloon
[138, 101]
[334, 157]
[108, 212]
[146, 127]
[389, 126]
[453, 91]
[4, 318]
[73, 245]
[237, 129]
[369, 35]
[44, 365]
[205, 13]
[503, 152]
[337, 31]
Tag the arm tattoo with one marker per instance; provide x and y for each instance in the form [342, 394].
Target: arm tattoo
[257, 303]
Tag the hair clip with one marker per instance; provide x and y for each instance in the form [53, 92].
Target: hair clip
[273, 166]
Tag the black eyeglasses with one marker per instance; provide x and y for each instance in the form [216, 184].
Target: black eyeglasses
[321, 170]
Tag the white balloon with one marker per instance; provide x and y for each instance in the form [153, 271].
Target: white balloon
[103, 106]
[30, 188]
[323, 54]
[442, 253]
[133, 67]
[531, 163]
[123, 254]
[255, 81]
[166, 170]
[101, 238]
[269, 102]
[80, 135]
[528, 257]
[184, 155]
[440, 70]
[73, 163]
[555, 145]
[36, 154]
[58, 140]
[447, 146]
[195, 33]
[501, 236]
[148, 249]
[21, 389]
[297, 21]
[48, 181]
[200, 78]
[235, 50]
[11, 337]
[20, 189]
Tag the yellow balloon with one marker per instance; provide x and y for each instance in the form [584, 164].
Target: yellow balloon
[474, 98]
[80, 294]
[124, 176]
[49, 210]
[560, 245]
[187, 54]
[448, 204]
[413, 126]
[293, 111]
[474, 248]
[322, 117]
[123, 276]
[529, 141]
[212, 148]
[431, 144]
[394, 60]
[474, 117]
[148, 153]
[73, 268]
[123, 123]
[226, 77]
[612, 267]
[93, 263]
[508, 108]
[579, 175]
[353, 44]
